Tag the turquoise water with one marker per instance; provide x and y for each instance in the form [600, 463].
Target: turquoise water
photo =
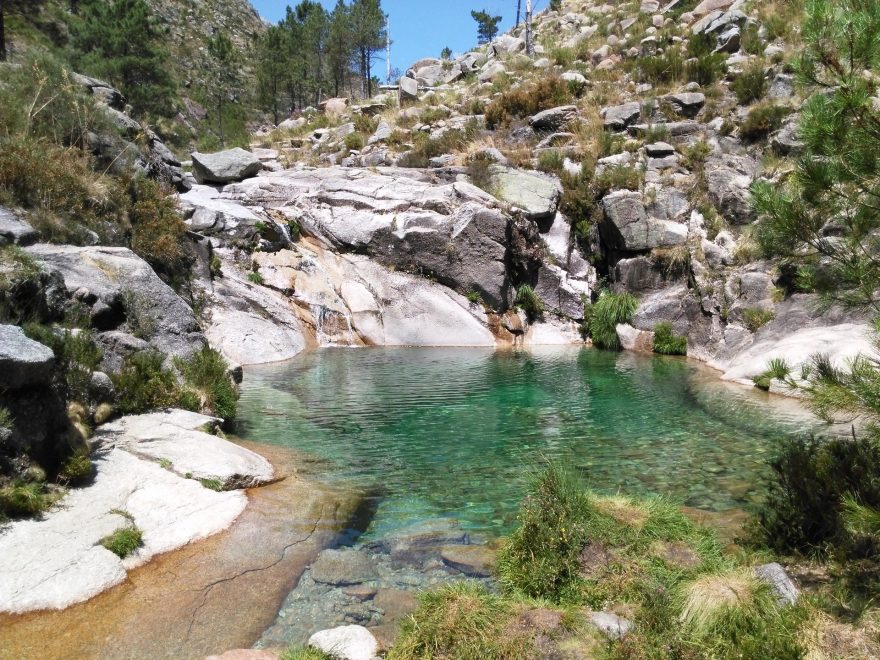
[461, 432]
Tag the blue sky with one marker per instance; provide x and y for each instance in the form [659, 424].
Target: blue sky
[421, 28]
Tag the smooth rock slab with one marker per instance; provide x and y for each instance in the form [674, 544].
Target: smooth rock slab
[225, 166]
[346, 643]
[56, 562]
[174, 436]
[23, 361]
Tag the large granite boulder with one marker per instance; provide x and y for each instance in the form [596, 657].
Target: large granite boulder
[122, 292]
[179, 437]
[537, 194]
[58, 561]
[225, 166]
[627, 227]
[619, 117]
[23, 362]
[554, 118]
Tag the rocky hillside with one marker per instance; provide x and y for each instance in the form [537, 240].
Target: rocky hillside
[618, 159]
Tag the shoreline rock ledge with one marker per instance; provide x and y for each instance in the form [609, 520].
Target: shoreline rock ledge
[58, 561]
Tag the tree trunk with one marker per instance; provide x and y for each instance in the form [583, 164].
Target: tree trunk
[518, 11]
[530, 47]
[2, 35]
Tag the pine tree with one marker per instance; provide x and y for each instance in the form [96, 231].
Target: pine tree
[487, 25]
[271, 70]
[339, 52]
[120, 41]
[224, 76]
[825, 218]
[369, 36]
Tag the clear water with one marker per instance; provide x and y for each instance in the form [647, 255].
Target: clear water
[461, 432]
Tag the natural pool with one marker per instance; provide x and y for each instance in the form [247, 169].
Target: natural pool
[447, 441]
[460, 432]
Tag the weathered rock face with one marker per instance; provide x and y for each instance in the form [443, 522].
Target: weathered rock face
[123, 293]
[39, 427]
[451, 231]
[14, 230]
[535, 193]
[23, 362]
[628, 227]
[225, 166]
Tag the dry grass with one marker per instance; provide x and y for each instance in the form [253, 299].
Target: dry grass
[711, 596]
[623, 509]
[822, 637]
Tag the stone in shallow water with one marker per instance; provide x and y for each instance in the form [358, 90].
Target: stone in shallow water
[471, 560]
[346, 643]
[343, 567]
[245, 654]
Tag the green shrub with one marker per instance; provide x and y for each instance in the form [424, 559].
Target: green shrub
[756, 318]
[354, 142]
[529, 302]
[158, 232]
[527, 100]
[76, 356]
[77, 469]
[551, 161]
[661, 69]
[706, 69]
[6, 420]
[762, 120]
[255, 277]
[365, 125]
[618, 177]
[608, 312]
[666, 342]
[479, 172]
[207, 373]
[19, 499]
[123, 541]
[804, 508]
[144, 384]
[541, 558]
[212, 484]
[751, 85]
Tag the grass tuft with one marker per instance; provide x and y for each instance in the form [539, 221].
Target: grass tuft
[124, 541]
[666, 342]
[607, 313]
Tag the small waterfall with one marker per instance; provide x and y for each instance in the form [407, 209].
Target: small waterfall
[332, 328]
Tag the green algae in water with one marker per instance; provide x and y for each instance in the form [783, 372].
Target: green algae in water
[460, 432]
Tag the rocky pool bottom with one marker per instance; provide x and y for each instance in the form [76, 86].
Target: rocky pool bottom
[444, 442]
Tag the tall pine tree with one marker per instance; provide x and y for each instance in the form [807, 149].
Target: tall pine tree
[120, 41]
